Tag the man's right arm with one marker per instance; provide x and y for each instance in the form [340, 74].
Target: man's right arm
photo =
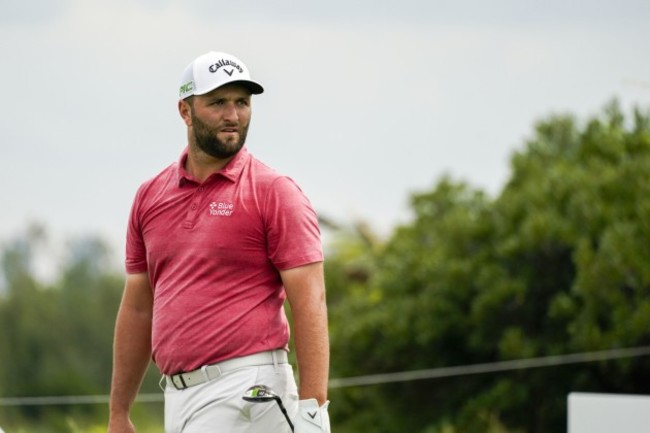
[131, 350]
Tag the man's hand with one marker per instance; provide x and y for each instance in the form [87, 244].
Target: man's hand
[312, 418]
[120, 425]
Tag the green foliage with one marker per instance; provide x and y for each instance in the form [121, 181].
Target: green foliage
[56, 337]
[556, 264]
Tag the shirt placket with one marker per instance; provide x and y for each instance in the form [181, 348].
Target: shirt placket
[193, 210]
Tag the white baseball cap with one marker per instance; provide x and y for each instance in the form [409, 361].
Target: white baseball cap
[215, 69]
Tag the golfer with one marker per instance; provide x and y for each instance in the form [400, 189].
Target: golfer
[215, 244]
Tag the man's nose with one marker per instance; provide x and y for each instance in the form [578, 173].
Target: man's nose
[230, 112]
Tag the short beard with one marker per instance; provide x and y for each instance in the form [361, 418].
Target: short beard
[206, 139]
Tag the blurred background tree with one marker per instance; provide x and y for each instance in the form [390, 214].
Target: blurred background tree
[558, 263]
[56, 337]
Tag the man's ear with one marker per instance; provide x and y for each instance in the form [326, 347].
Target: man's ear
[185, 110]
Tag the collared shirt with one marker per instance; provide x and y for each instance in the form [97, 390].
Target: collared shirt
[213, 251]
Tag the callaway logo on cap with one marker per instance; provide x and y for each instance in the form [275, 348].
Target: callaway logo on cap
[212, 70]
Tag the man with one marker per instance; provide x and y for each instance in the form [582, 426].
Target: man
[215, 243]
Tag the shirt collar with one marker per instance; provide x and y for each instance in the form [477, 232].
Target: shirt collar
[231, 171]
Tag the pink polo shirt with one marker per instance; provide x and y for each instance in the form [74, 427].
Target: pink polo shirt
[213, 251]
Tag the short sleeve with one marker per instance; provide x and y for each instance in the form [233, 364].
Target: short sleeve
[136, 253]
[293, 235]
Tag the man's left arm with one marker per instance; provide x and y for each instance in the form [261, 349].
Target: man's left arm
[305, 288]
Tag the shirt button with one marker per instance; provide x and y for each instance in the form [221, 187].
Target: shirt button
[193, 207]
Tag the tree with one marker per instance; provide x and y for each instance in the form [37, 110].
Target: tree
[56, 336]
[556, 264]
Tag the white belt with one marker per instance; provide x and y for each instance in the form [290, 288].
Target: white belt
[209, 372]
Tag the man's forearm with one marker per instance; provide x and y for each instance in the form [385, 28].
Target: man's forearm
[131, 357]
[305, 288]
[312, 351]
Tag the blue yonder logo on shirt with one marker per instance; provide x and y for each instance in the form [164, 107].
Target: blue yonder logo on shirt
[221, 208]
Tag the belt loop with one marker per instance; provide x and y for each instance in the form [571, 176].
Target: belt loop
[160, 385]
[204, 370]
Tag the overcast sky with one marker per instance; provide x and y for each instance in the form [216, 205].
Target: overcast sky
[366, 101]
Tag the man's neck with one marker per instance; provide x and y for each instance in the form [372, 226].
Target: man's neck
[200, 165]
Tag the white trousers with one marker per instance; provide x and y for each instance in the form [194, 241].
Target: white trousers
[217, 406]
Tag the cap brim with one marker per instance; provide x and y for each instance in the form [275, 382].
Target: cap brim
[254, 87]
